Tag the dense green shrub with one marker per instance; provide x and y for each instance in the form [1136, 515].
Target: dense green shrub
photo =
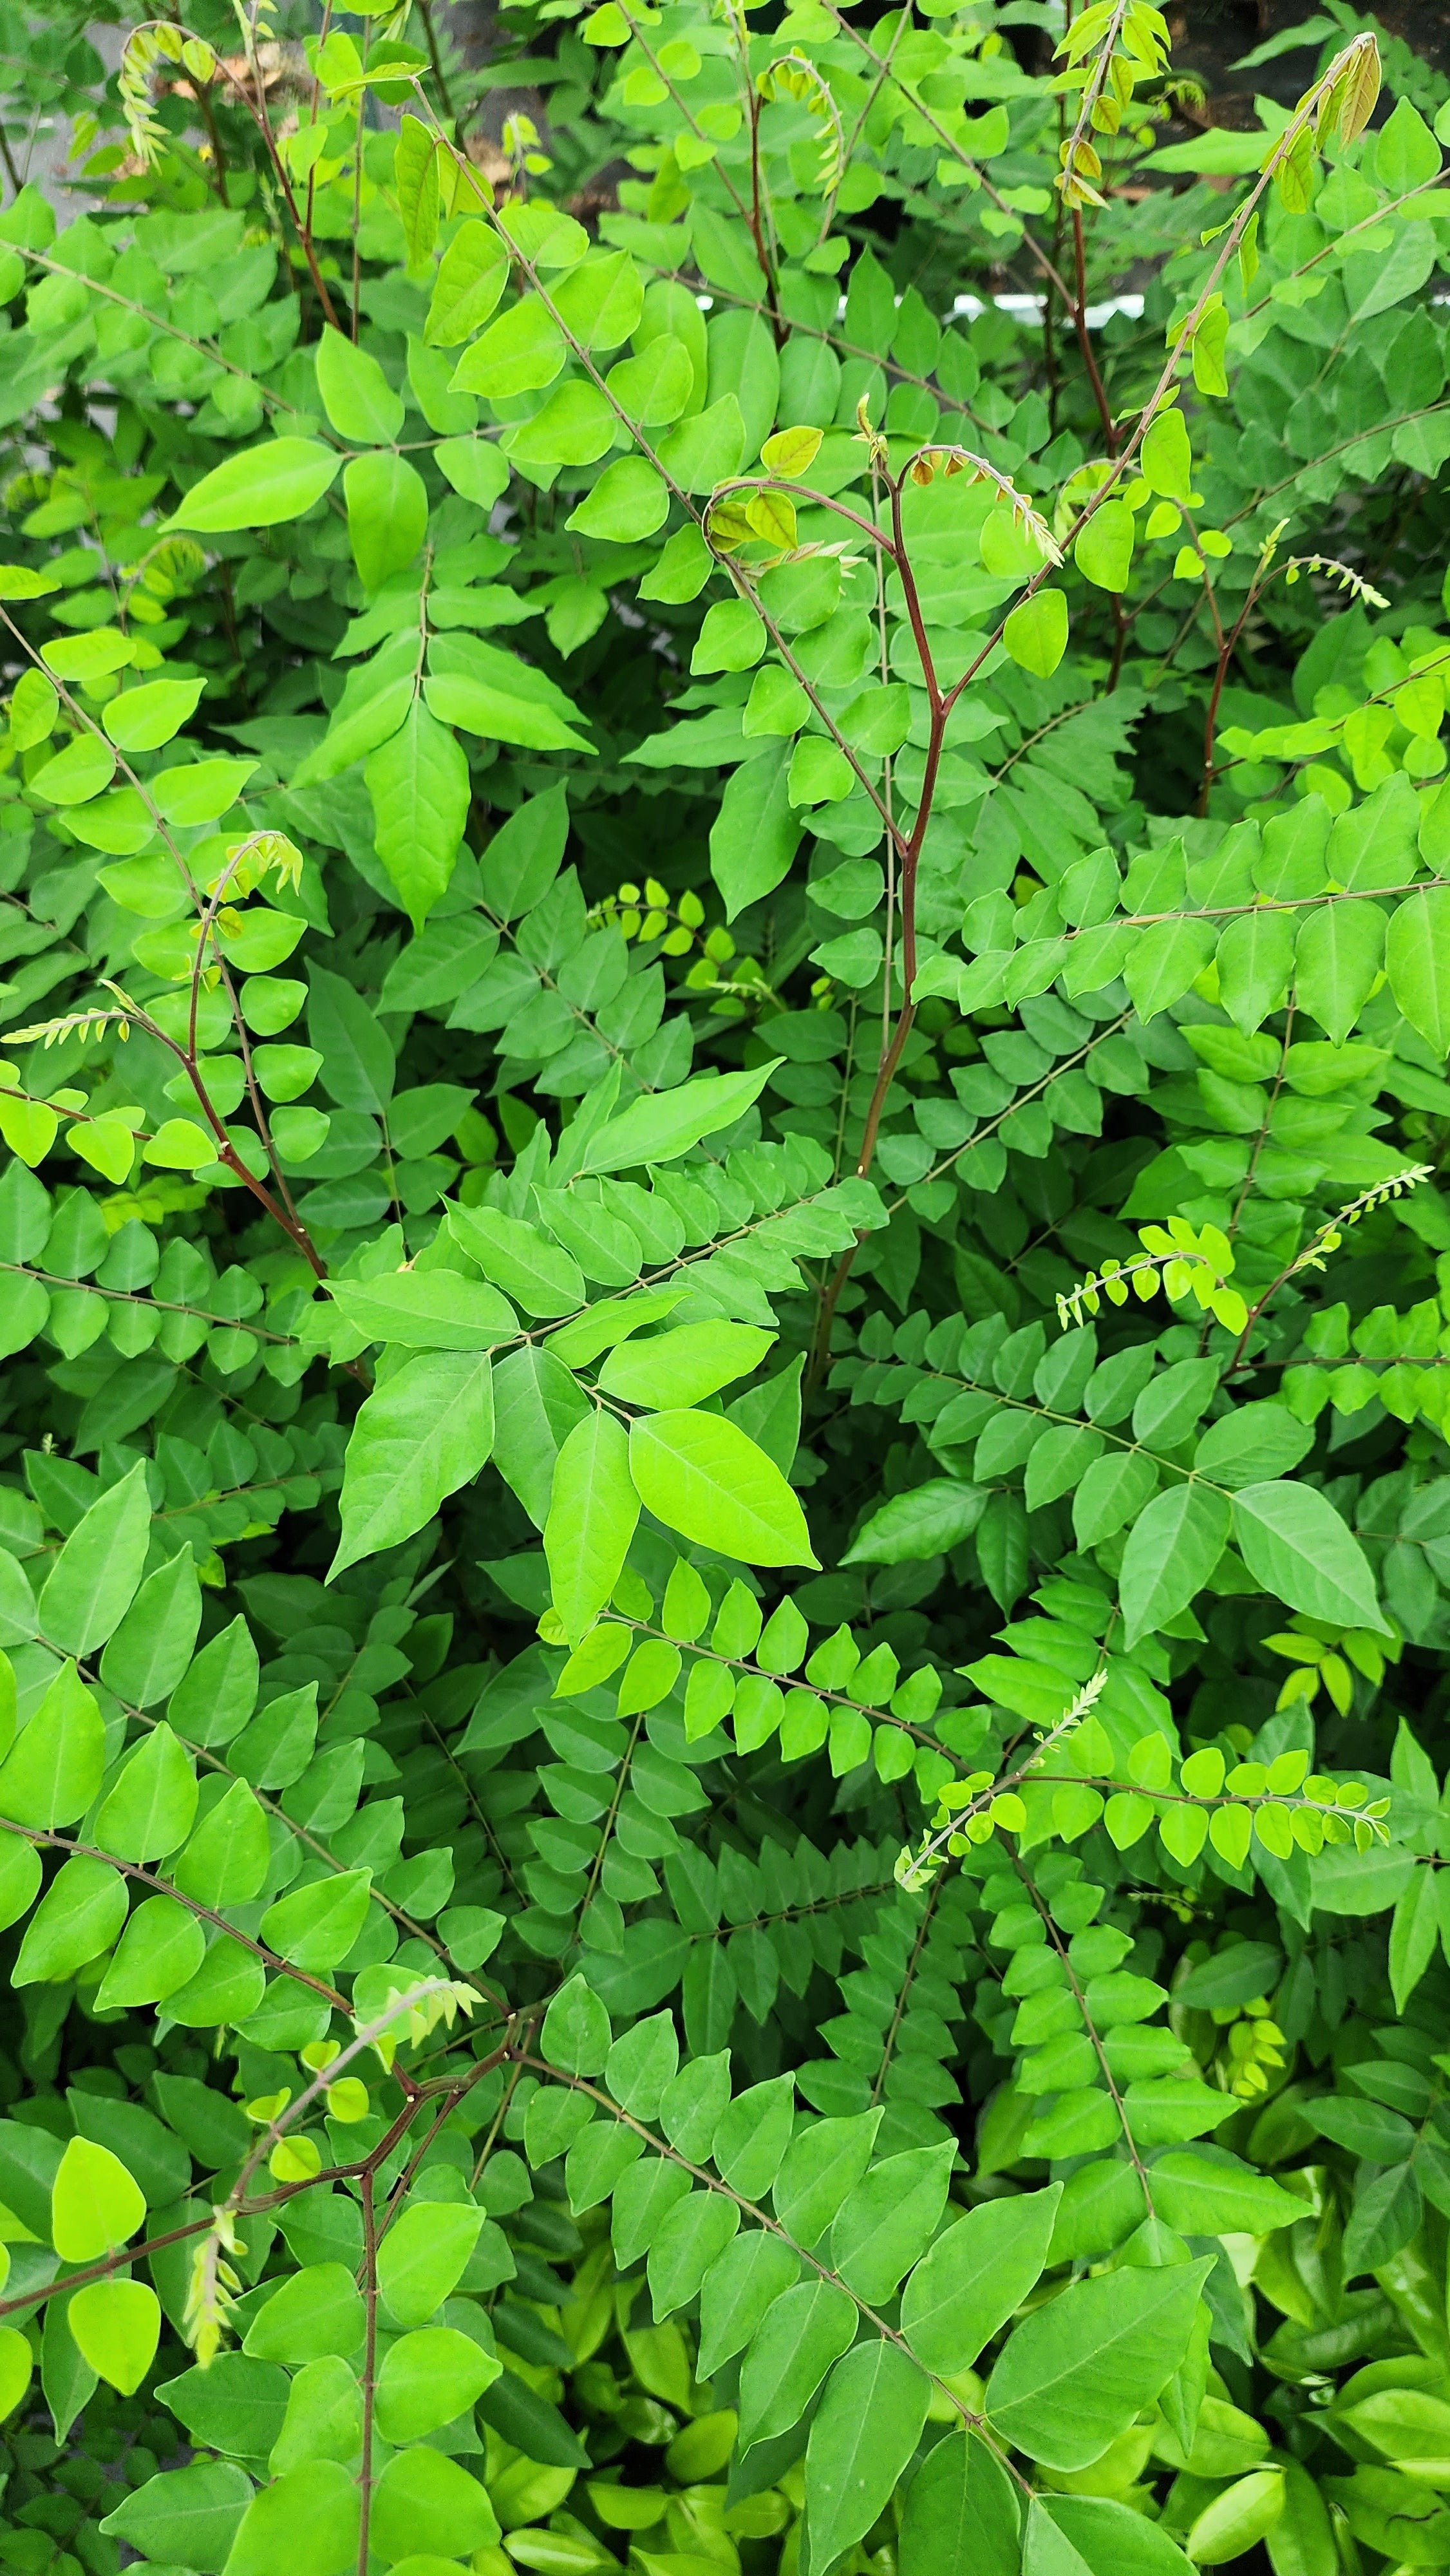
[724, 1501]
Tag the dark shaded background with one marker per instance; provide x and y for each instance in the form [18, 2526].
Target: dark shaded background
[1209, 37]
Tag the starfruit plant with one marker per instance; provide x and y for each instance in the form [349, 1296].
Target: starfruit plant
[724, 1526]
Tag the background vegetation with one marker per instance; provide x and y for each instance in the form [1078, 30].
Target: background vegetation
[724, 1513]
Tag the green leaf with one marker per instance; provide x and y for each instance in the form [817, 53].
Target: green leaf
[278, 480]
[1111, 2540]
[150, 1651]
[1165, 457]
[229, 1854]
[427, 2379]
[318, 1925]
[76, 774]
[576, 2036]
[1113, 1490]
[822, 2167]
[537, 1404]
[757, 831]
[643, 2198]
[1046, 2549]
[1162, 961]
[522, 350]
[424, 1432]
[802, 2334]
[415, 180]
[309, 2517]
[1417, 962]
[387, 515]
[1338, 955]
[1211, 337]
[488, 691]
[423, 2257]
[641, 2063]
[1206, 2192]
[975, 2277]
[116, 2326]
[1035, 633]
[1385, 2218]
[472, 275]
[96, 1574]
[889, 2219]
[193, 2510]
[537, 1274]
[1406, 155]
[923, 1522]
[76, 1920]
[1252, 1442]
[142, 719]
[753, 2136]
[683, 1366]
[1172, 1550]
[480, 472]
[418, 782]
[1295, 1544]
[227, 1987]
[1414, 1933]
[358, 1066]
[682, 570]
[17, 2366]
[659, 1129]
[702, 1476]
[593, 1509]
[315, 2311]
[864, 2432]
[1301, 2542]
[151, 1807]
[1232, 2521]
[1255, 963]
[20, 1875]
[574, 426]
[962, 2515]
[628, 502]
[1074, 2375]
[739, 2291]
[706, 449]
[523, 857]
[425, 2503]
[218, 1691]
[323, 2418]
[1104, 551]
[54, 1769]
[427, 1310]
[94, 2205]
[686, 2246]
[356, 395]
[161, 1948]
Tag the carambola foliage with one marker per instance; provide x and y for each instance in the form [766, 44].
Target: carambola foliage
[724, 1509]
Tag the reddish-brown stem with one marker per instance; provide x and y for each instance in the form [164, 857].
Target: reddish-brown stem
[769, 2225]
[1084, 335]
[263, 122]
[246, 2208]
[757, 231]
[50, 1841]
[1227, 646]
[218, 157]
[1080, 1998]
[370, 2368]
[891, 1053]
[435, 65]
